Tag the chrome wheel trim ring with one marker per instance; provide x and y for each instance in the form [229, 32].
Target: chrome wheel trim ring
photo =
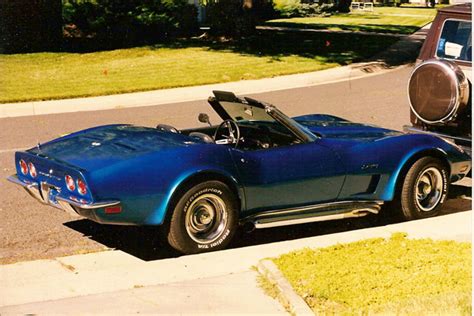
[206, 218]
[429, 189]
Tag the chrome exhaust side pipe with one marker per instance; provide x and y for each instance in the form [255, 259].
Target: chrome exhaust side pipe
[316, 213]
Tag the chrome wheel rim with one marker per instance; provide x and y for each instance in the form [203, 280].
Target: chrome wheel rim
[429, 189]
[206, 218]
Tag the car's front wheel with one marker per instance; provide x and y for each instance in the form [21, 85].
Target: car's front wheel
[424, 189]
[204, 219]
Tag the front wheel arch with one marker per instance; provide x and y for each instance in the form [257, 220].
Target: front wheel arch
[392, 207]
[411, 161]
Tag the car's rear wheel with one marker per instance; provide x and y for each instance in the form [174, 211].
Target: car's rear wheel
[424, 189]
[204, 219]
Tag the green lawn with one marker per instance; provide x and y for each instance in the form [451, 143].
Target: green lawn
[383, 19]
[396, 276]
[43, 76]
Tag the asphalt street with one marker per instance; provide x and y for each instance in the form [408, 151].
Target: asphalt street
[29, 230]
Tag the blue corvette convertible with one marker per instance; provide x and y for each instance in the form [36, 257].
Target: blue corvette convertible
[257, 167]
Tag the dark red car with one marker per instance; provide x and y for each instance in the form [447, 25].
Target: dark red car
[439, 88]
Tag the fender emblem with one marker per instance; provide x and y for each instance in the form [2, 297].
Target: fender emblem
[369, 166]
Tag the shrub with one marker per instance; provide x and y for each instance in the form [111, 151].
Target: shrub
[126, 22]
[296, 8]
[237, 17]
[312, 9]
[287, 8]
[344, 6]
[229, 17]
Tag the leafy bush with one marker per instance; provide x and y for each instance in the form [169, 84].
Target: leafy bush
[229, 17]
[131, 21]
[308, 9]
[287, 8]
[237, 17]
[344, 6]
[296, 8]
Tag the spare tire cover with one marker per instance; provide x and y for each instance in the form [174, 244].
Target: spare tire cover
[438, 90]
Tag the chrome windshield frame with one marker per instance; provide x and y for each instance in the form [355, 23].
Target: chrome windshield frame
[299, 131]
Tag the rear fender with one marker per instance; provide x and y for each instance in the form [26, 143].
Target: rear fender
[184, 181]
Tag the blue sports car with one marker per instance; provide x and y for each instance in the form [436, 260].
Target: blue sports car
[257, 167]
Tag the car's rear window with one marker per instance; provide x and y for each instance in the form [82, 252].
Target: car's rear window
[455, 40]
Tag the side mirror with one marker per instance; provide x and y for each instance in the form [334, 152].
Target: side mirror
[204, 118]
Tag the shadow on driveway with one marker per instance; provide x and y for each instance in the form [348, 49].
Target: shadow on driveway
[147, 244]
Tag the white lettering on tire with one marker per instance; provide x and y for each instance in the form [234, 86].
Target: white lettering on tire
[445, 186]
[217, 242]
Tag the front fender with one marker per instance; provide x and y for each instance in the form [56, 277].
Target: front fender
[425, 146]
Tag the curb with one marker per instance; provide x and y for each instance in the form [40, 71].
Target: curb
[399, 53]
[282, 28]
[194, 93]
[112, 271]
[286, 295]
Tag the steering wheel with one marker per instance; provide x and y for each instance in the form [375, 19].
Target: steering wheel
[233, 133]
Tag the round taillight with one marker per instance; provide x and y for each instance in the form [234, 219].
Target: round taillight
[71, 186]
[81, 187]
[23, 167]
[32, 168]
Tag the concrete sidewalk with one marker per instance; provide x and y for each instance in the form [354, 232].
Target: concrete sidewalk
[230, 294]
[396, 56]
[208, 282]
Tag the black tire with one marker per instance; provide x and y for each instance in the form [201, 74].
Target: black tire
[204, 219]
[424, 189]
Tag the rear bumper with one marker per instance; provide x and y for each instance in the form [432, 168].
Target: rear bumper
[48, 195]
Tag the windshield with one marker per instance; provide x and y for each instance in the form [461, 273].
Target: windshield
[249, 110]
[246, 112]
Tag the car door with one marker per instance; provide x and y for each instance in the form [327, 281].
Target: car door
[289, 176]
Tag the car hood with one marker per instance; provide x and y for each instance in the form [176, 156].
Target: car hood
[105, 145]
[329, 126]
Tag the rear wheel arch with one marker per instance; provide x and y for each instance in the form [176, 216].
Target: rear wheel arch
[203, 213]
[197, 178]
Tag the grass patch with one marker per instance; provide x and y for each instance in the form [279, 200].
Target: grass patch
[383, 19]
[269, 288]
[379, 276]
[272, 290]
[42, 76]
